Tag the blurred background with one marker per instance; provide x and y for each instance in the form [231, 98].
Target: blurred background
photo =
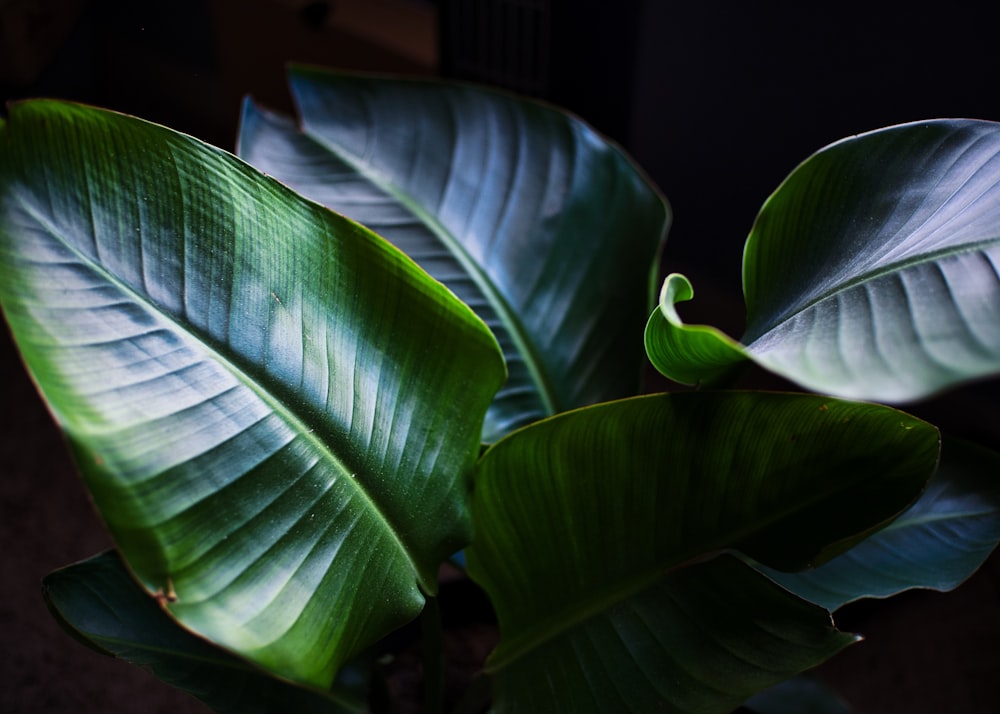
[717, 101]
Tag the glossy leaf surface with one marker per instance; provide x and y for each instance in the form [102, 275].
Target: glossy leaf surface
[592, 528]
[937, 543]
[99, 603]
[276, 412]
[698, 354]
[545, 229]
[874, 270]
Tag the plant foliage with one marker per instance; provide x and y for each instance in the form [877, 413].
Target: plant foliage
[624, 605]
[276, 412]
[871, 273]
[276, 374]
[545, 229]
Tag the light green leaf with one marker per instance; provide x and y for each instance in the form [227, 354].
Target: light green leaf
[874, 270]
[592, 529]
[937, 543]
[99, 603]
[276, 412]
[544, 228]
[693, 354]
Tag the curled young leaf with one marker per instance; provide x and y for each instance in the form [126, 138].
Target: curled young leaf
[873, 272]
[689, 354]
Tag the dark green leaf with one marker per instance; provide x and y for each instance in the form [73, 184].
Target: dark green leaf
[587, 525]
[98, 602]
[937, 543]
[276, 412]
[697, 641]
[545, 229]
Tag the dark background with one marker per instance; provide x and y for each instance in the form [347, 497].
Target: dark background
[717, 101]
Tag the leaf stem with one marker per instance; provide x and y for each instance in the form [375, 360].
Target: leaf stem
[433, 657]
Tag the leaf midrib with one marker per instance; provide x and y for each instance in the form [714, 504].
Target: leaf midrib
[924, 519]
[888, 269]
[508, 316]
[296, 423]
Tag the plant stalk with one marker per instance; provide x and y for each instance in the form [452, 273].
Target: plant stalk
[432, 642]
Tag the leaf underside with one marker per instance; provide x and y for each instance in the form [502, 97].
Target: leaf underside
[873, 272]
[937, 543]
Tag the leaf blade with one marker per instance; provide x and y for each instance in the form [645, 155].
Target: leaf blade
[624, 495]
[873, 271]
[551, 245]
[896, 293]
[679, 635]
[939, 542]
[218, 352]
[98, 602]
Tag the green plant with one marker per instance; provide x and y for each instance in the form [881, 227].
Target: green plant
[280, 415]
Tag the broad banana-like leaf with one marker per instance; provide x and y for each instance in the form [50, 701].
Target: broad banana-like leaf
[937, 543]
[593, 529]
[276, 412]
[873, 272]
[99, 603]
[548, 231]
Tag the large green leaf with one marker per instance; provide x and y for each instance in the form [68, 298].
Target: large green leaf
[276, 412]
[937, 543]
[697, 641]
[547, 230]
[99, 603]
[593, 528]
[873, 271]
